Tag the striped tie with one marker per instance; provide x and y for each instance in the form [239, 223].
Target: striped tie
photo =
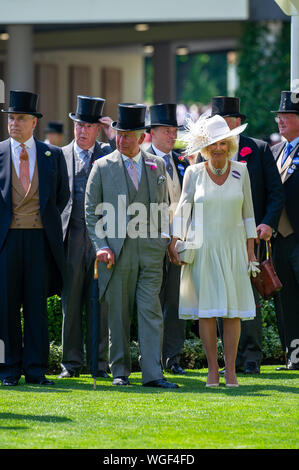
[24, 168]
[287, 150]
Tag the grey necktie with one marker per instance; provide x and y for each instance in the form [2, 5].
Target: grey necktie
[168, 165]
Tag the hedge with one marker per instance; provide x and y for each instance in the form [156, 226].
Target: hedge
[192, 356]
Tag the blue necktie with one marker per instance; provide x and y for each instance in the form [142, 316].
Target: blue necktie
[287, 150]
[168, 165]
[85, 154]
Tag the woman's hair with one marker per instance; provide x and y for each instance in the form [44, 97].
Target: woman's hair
[232, 148]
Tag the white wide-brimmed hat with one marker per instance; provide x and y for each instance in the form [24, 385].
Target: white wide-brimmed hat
[206, 131]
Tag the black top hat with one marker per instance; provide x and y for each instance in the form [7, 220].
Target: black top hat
[23, 102]
[54, 127]
[163, 114]
[131, 117]
[289, 102]
[89, 109]
[226, 106]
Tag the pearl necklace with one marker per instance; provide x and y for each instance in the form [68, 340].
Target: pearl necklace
[218, 171]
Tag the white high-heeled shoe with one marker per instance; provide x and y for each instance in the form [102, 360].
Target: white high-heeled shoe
[230, 384]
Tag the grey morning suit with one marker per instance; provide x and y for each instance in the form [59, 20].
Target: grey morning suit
[134, 283]
[78, 291]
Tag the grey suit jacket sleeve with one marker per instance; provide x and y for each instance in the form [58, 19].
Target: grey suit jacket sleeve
[93, 201]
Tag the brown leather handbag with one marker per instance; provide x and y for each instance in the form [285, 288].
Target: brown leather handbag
[266, 282]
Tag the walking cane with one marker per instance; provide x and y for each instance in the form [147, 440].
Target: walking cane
[95, 276]
[96, 325]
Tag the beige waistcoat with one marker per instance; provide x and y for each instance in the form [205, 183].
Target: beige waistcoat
[25, 206]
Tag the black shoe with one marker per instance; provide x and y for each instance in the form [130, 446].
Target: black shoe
[39, 380]
[102, 373]
[67, 374]
[251, 368]
[121, 381]
[176, 369]
[161, 383]
[10, 382]
[290, 366]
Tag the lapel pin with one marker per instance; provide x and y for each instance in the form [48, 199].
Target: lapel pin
[47, 153]
[161, 179]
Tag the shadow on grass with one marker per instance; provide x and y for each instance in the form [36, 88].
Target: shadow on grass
[34, 418]
[193, 382]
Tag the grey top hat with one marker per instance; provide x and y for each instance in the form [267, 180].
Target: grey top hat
[226, 106]
[22, 102]
[289, 102]
[131, 117]
[89, 109]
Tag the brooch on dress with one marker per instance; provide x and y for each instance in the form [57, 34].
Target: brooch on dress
[236, 174]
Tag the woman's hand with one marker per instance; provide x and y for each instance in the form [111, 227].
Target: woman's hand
[250, 250]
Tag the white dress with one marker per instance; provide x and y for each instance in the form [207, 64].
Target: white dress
[216, 284]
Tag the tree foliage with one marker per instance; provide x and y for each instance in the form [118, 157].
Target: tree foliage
[264, 71]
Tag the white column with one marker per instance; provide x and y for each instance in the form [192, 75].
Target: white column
[20, 65]
[232, 73]
[295, 53]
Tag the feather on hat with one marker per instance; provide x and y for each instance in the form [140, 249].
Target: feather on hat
[206, 131]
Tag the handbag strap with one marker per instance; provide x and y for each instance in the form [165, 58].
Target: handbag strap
[269, 251]
[258, 252]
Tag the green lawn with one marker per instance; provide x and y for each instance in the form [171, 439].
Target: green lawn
[263, 413]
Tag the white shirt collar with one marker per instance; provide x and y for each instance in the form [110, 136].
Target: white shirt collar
[158, 152]
[15, 144]
[294, 142]
[136, 158]
[78, 149]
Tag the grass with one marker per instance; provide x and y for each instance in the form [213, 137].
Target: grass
[261, 414]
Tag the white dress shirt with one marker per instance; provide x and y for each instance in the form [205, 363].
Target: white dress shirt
[16, 149]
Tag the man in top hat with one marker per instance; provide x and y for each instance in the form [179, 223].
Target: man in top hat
[163, 129]
[286, 244]
[130, 249]
[33, 193]
[54, 133]
[267, 199]
[79, 286]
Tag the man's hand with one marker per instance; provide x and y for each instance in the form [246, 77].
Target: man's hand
[106, 255]
[173, 254]
[264, 232]
[106, 126]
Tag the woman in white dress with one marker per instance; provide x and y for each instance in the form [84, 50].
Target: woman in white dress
[215, 221]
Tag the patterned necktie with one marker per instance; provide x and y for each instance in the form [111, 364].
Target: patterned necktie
[24, 168]
[168, 165]
[287, 150]
[86, 159]
[132, 170]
